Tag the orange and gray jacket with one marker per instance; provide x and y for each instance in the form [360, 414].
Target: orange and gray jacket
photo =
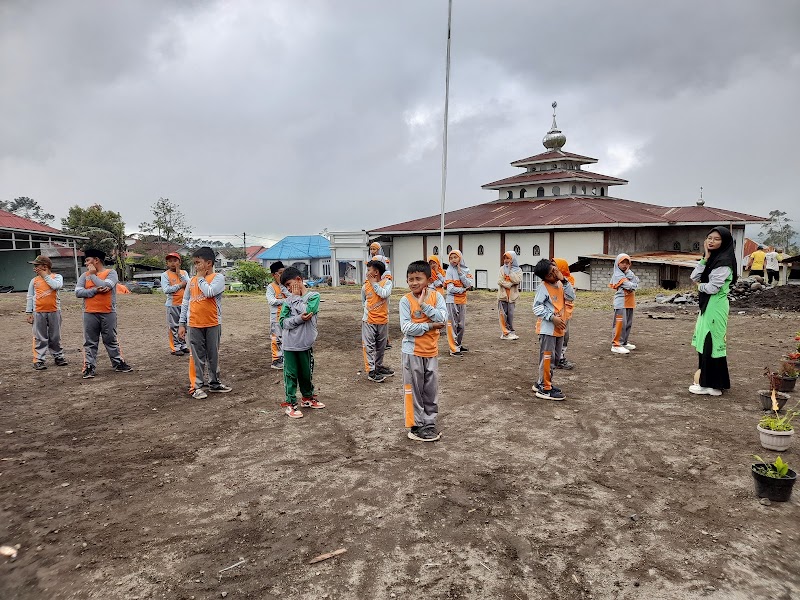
[375, 298]
[626, 283]
[43, 293]
[202, 301]
[457, 280]
[509, 278]
[276, 294]
[171, 286]
[415, 319]
[93, 302]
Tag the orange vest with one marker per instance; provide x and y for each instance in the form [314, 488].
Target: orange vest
[277, 289]
[556, 293]
[630, 298]
[99, 303]
[377, 307]
[426, 345]
[45, 298]
[460, 298]
[175, 279]
[203, 312]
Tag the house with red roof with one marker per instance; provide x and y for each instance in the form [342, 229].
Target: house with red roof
[556, 208]
[22, 240]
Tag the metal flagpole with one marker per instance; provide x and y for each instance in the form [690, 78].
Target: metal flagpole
[442, 250]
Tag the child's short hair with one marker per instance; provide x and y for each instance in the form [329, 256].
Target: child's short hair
[290, 273]
[542, 268]
[205, 253]
[378, 266]
[419, 266]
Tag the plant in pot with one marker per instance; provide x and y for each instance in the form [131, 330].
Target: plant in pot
[776, 431]
[777, 383]
[788, 377]
[773, 480]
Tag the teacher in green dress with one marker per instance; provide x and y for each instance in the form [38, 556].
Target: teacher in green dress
[714, 275]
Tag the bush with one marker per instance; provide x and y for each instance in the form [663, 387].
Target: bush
[252, 275]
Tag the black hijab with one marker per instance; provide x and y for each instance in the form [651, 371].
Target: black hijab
[724, 256]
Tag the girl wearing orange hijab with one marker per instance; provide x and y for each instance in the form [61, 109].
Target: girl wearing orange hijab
[437, 275]
[569, 305]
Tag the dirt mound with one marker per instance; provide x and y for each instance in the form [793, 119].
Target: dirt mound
[786, 297]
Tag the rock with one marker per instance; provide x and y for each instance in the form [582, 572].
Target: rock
[636, 583]
[223, 594]
[765, 501]
[634, 517]
[755, 287]
[779, 532]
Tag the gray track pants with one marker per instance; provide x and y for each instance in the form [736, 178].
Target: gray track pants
[566, 342]
[173, 316]
[373, 342]
[623, 319]
[204, 357]
[95, 326]
[420, 389]
[506, 312]
[549, 350]
[47, 335]
[275, 340]
[457, 319]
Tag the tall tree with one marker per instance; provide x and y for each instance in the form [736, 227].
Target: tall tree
[168, 223]
[27, 208]
[104, 228]
[778, 230]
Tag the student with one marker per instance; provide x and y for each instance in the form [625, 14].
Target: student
[507, 293]
[423, 314]
[173, 283]
[298, 319]
[438, 275]
[276, 294]
[458, 280]
[201, 320]
[375, 322]
[569, 307]
[98, 288]
[772, 265]
[43, 307]
[625, 282]
[376, 253]
[756, 263]
[549, 304]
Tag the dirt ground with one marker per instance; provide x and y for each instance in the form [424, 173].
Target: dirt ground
[123, 487]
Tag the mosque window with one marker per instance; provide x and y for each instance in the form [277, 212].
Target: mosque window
[540, 192]
[583, 189]
[480, 250]
[510, 195]
[522, 193]
[574, 189]
[517, 250]
[537, 251]
[449, 249]
[676, 246]
[556, 190]
[436, 250]
[696, 246]
[602, 191]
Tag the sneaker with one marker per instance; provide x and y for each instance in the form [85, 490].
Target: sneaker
[292, 412]
[504, 337]
[385, 371]
[512, 336]
[704, 391]
[538, 386]
[123, 367]
[219, 388]
[39, 365]
[456, 353]
[630, 346]
[551, 394]
[88, 373]
[620, 350]
[464, 349]
[198, 394]
[376, 377]
[426, 433]
[388, 346]
[565, 364]
[177, 353]
[312, 402]
[61, 361]
[277, 364]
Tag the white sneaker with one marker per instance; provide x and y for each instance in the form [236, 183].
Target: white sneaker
[504, 337]
[620, 350]
[199, 394]
[630, 346]
[512, 336]
[704, 391]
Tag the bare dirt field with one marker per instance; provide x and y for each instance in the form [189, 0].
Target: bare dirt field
[123, 487]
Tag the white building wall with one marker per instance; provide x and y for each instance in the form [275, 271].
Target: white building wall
[571, 244]
[526, 241]
[405, 251]
[434, 242]
[490, 261]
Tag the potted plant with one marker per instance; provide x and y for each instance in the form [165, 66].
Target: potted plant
[787, 377]
[776, 431]
[773, 480]
[778, 382]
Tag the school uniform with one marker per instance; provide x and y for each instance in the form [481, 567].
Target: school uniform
[171, 286]
[420, 351]
[44, 303]
[508, 282]
[276, 294]
[298, 341]
[201, 314]
[457, 280]
[625, 283]
[99, 316]
[438, 279]
[550, 301]
[375, 322]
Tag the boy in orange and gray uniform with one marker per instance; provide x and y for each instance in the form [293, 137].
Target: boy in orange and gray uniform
[375, 322]
[625, 282]
[43, 307]
[173, 284]
[98, 288]
[276, 294]
[201, 310]
[423, 313]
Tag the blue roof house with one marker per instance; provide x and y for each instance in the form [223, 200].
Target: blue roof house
[311, 254]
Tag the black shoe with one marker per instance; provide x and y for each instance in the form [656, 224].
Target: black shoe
[538, 387]
[388, 346]
[123, 367]
[565, 364]
[277, 364]
[551, 394]
[376, 377]
[219, 388]
[464, 349]
[88, 373]
[39, 365]
[456, 353]
[425, 433]
[385, 371]
[61, 361]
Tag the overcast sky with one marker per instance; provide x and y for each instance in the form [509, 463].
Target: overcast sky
[287, 117]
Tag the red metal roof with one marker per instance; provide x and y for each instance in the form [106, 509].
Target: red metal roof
[553, 155]
[12, 221]
[577, 211]
[558, 175]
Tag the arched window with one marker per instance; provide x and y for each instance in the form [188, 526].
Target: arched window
[510, 194]
[480, 250]
[594, 190]
[676, 246]
[574, 189]
[696, 246]
[522, 193]
[517, 250]
[602, 191]
[436, 250]
[556, 190]
[449, 249]
[540, 192]
[583, 189]
[537, 251]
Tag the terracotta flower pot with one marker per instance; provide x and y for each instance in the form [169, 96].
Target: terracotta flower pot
[775, 440]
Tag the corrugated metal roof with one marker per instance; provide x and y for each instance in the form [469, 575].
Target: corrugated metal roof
[557, 174]
[12, 221]
[578, 211]
[299, 247]
[553, 155]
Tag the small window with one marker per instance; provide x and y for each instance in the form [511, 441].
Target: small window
[574, 189]
[480, 250]
[540, 192]
[537, 251]
[556, 190]
[517, 250]
[510, 194]
[436, 250]
[594, 191]
[676, 246]
[602, 191]
[449, 249]
[583, 189]
[696, 246]
[522, 193]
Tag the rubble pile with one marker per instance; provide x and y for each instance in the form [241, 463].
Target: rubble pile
[753, 293]
[688, 298]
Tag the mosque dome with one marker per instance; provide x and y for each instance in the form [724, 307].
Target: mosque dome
[554, 139]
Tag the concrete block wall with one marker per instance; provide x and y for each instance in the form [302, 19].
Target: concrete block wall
[649, 275]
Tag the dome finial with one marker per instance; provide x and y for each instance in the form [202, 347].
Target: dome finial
[700, 201]
[554, 139]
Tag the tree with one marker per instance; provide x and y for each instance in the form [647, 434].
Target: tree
[168, 223]
[252, 275]
[27, 208]
[778, 231]
[104, 228]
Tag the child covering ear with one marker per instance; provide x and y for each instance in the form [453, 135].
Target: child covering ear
[625, 282]
[507, 293]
